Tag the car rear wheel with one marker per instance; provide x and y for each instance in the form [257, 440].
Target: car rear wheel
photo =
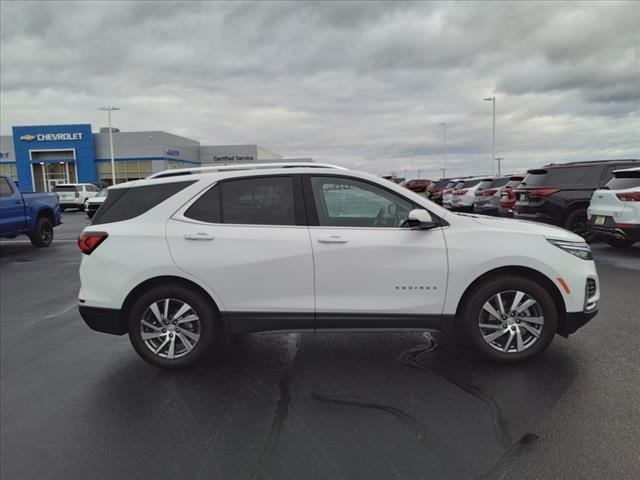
[510, 319]
[42, 236]
[171, 326]
[578, 223]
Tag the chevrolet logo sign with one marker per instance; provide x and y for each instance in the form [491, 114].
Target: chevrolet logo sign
[27, 138]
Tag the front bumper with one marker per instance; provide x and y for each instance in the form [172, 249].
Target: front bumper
[105, 320]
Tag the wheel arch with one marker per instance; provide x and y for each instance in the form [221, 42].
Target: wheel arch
[163, 280]
[45, 212]
[528, 272]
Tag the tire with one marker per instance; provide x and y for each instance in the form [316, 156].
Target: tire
[578, 223]
[205, 327]
[89, 214]
[619, 242]
[42, 236]
[535, 337]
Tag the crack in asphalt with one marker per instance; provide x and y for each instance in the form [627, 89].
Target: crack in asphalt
[281, 411]
[513, 450]
[430, 441]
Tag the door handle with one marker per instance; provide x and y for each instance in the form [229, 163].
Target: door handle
[332, 239]
[198, 236]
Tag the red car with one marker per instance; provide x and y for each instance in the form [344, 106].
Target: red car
[417, 185]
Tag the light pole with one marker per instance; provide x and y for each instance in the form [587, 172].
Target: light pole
[444, 148]
[493, 133]
[113, 162]
[499, 159]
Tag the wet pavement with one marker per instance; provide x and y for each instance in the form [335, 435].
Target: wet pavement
[77, 404]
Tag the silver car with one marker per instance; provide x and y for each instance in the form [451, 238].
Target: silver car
[487, 201]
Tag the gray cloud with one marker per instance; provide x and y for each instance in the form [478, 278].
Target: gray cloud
[360, 84]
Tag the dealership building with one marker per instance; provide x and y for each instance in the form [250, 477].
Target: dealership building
[41, 156]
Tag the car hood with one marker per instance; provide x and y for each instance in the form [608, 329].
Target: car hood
[524, 226]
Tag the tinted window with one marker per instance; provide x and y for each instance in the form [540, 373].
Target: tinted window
[561, 176]
[469, 183]
[499, 182]
[345, 202]
[126, 203]
[484, 184]
[624, 180]
[513, 183]
[64, 188]
[207, 207]
[5, 188]
[259, 201]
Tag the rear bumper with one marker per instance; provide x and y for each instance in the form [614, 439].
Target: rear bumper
[573, 321]
[105, 320]
[627, 232]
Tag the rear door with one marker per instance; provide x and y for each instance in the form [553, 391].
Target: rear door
[371, 270]
[11, 209]
[247, 239]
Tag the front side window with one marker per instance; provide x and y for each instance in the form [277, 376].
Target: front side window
[346, 202]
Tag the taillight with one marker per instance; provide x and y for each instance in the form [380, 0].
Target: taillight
[543, 192]
[629, 196]
[89, 241]
[460, 192]
[490, 192]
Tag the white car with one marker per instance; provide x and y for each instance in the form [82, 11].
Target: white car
[180, 261]
[464, 193]
[447, 193]
[74, 195]
[92, 205]
[615, 209]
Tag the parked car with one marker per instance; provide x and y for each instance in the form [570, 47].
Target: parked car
[464, 194]
[31, 214]
[614, 210]
[434, 191]
[183, 261]
[447, 191]
[92, 205]
[416, 185]
[507, 202]
[560, 194]
[74, 195]
[487, 201]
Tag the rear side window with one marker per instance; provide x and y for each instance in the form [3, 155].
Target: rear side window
[259, 201]
[126, 203]
[624, 180]
[207, 207]
[65, 188]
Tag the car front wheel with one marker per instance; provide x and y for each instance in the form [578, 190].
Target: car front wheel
[172, 326]
[510, 318]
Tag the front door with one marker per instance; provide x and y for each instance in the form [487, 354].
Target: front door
[247, 240]
[11, 209]
[371, 269]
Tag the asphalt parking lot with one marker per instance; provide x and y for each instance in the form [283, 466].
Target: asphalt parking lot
[77, 404]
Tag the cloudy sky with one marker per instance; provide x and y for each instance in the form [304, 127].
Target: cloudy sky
[364, 85]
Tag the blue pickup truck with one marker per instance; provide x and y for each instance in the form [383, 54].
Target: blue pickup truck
[32, 214]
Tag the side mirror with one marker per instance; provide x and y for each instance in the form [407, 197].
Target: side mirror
[420, 219]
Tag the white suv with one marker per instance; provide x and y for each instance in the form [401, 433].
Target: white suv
[615, 209]
[180, 260]
[75, 195]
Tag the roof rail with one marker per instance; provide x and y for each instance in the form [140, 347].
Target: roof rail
[246, 166]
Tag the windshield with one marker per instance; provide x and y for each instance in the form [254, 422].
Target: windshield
[484, 184]
[468, 183]
[499, 182]
[513, 182]
[557, 176]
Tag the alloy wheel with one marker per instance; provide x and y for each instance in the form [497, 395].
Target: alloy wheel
[511, 321]
[170, 328]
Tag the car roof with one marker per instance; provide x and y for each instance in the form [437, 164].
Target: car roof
[590, 162]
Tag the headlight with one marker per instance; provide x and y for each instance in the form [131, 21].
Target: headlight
[579, 249]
